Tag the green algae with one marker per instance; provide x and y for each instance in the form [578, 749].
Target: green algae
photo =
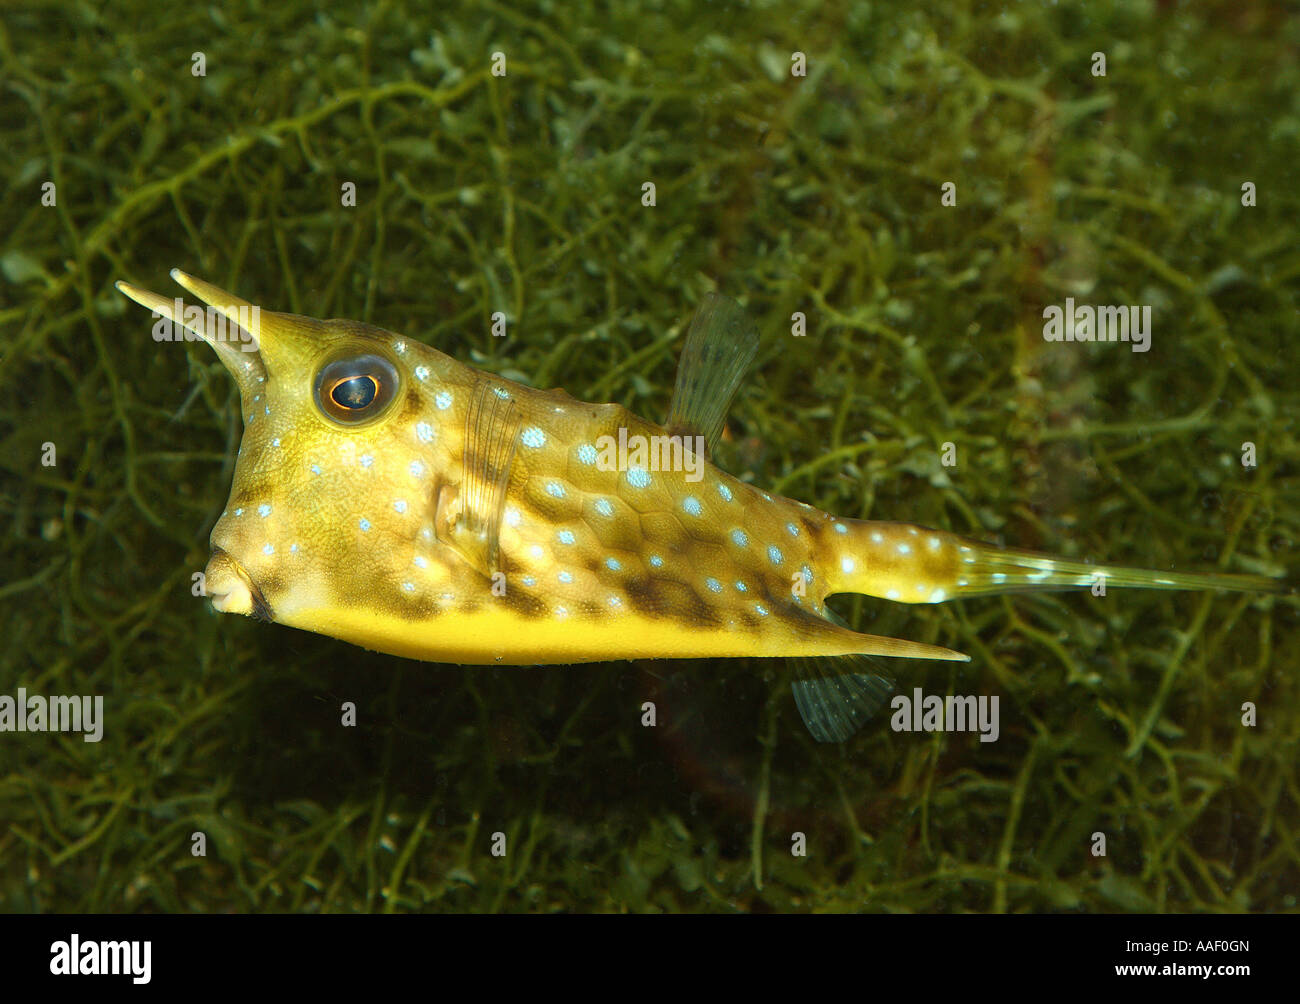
[523, 194]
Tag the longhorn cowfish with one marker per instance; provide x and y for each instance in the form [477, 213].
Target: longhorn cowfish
[387, 495]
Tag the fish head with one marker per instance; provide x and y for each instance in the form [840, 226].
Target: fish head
[337, 459]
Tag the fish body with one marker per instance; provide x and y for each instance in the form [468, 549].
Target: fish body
[390, 496]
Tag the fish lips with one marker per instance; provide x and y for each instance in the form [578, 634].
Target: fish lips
[232, 590]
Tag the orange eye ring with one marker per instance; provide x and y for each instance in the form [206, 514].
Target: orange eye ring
[354, 393]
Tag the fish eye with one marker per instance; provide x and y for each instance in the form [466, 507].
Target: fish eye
[356, 388]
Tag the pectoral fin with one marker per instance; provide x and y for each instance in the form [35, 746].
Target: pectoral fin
[469, 513]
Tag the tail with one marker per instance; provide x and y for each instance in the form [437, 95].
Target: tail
[914, 564]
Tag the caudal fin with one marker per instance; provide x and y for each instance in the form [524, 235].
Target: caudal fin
[914, 564]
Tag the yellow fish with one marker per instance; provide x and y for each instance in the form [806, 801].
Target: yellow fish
[389, 496]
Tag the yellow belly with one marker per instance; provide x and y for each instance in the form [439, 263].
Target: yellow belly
[499, 636]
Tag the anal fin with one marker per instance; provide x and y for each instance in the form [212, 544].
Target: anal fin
[719, 347]
[468, 517]
[837, 694]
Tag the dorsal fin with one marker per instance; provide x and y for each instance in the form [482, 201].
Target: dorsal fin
[719, 347]
[469, 513]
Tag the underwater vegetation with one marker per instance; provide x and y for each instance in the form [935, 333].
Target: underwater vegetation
[523, 194]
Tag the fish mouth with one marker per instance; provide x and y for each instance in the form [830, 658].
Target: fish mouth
[232, 590]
